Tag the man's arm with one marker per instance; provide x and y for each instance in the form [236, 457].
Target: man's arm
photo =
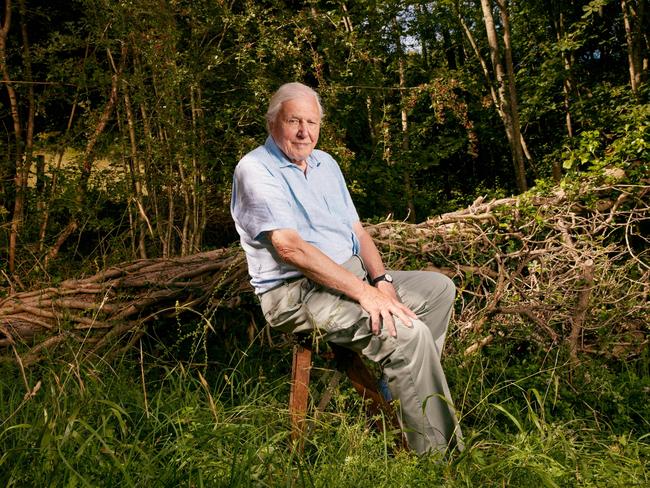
[318, 267]
[369, 253]
[372, 259]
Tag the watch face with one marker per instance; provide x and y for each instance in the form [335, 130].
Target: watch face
[385, 277]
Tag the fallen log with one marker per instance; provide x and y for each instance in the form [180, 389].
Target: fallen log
[545, 269]
[115, 304]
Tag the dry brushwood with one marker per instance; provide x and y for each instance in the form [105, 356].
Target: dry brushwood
[115, 305]
[544, 269]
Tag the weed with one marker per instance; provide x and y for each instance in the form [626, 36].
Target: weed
[166, 423]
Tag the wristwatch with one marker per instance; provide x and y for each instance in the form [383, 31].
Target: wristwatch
[385, 277]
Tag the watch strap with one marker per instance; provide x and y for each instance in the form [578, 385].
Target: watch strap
[379, 278]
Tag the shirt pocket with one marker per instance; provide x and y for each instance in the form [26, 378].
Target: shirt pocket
[335, 205]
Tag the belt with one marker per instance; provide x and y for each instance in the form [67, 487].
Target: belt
[285, 282]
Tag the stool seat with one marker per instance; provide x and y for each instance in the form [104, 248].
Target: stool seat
[363, 381]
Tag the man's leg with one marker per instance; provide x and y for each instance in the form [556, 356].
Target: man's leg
[411, 361]
[431, 296]
[416, 378]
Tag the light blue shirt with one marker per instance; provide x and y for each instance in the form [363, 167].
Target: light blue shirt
[269, 192]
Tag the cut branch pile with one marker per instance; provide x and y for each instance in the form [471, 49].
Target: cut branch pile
[113, 306]
[545, 269]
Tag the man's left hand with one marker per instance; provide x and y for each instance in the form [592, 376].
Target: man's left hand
[387, 289]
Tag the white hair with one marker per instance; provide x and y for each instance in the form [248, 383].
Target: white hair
[289, 91]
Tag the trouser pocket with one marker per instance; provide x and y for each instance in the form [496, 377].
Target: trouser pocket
[283, 306]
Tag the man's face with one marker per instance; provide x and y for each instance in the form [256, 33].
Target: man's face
[296, 128]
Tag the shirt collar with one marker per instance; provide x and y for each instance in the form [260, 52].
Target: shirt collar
[282, 159]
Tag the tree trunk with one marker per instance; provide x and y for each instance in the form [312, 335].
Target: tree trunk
[408, 189]
[490, 83]
[422, 12]
[505, 94]
[18, 136]
[113, 305]
[518, 146]
[150, 180]
[632, 14]
[450, 53]
[484, 66]
[140, 232]
[557, 21]
[88, 159]
[347, 21]
[24, 137]
[200, 198]
[567, 79]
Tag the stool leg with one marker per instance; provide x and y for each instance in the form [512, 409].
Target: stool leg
[365, 384]
[299, 395]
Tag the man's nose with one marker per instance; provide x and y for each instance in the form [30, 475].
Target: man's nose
[303, 129]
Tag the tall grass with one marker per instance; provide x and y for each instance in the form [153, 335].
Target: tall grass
[224, 423]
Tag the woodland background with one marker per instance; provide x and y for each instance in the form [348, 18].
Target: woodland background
[505, 143]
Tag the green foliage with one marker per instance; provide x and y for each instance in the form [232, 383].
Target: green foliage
[625, 144]
[558, 428]
[160, 423]
[195, 77]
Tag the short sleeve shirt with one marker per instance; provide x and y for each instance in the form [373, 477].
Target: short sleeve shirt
[269, 192]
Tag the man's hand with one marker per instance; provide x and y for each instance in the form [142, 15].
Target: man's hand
[380, 303]
[382, 306]
[388, 289]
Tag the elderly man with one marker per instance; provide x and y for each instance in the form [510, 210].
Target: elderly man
[316, 269]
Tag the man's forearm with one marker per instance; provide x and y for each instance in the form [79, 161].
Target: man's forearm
[369, 253]
[320, 268]
[316, 265]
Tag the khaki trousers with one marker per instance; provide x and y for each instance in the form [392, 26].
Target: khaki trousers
[410, 361]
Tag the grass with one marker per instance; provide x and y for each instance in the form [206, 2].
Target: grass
[225, 423]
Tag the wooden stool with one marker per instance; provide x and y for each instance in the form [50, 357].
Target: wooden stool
[362, 380]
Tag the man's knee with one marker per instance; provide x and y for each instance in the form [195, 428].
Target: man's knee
[415, 337]
[442, 289]
[449, 288]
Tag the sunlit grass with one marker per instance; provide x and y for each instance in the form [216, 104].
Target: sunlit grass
[226, 424]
